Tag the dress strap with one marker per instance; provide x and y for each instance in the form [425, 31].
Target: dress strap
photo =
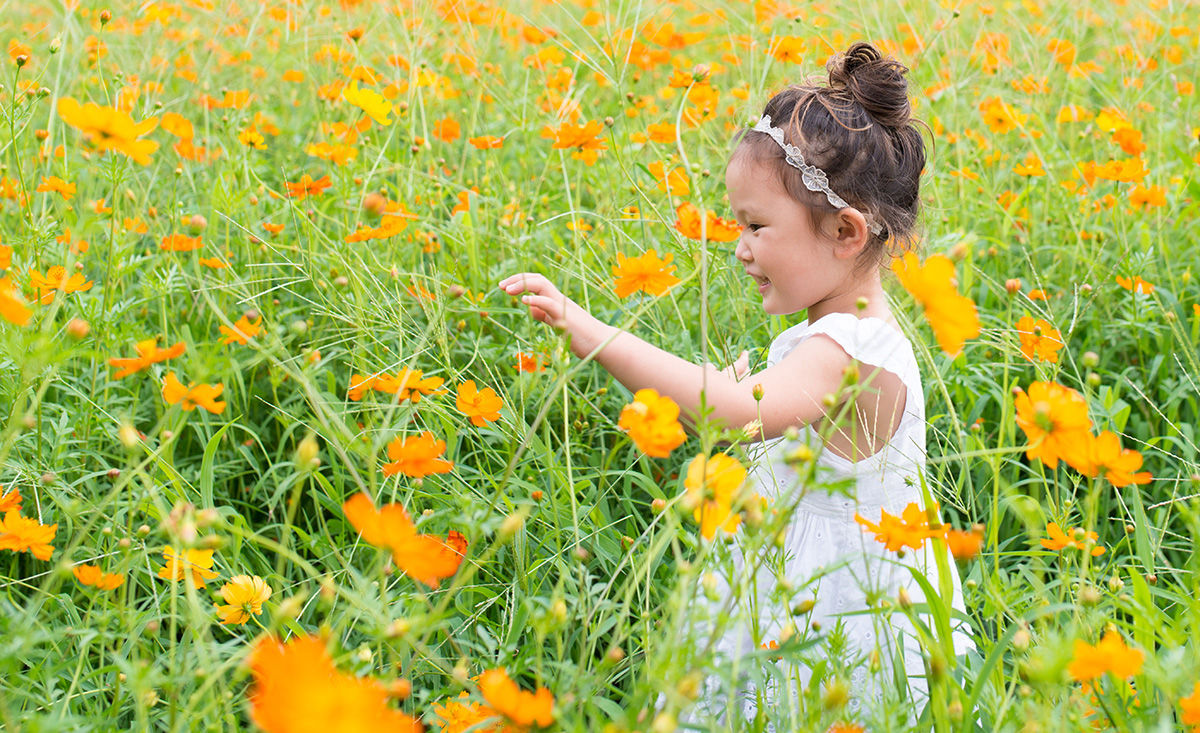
[871, 341]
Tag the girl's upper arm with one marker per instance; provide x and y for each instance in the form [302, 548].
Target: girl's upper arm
[794, 390]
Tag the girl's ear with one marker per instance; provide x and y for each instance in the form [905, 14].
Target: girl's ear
[852, 233]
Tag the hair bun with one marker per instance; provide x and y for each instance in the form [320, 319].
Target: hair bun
[875, 82]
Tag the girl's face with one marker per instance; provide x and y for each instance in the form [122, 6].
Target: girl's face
[792, 265]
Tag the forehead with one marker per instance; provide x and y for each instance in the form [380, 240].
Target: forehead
[748, 179]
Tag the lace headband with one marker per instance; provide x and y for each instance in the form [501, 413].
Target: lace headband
[813, 177]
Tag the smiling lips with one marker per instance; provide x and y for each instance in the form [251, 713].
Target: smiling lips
[761, 281]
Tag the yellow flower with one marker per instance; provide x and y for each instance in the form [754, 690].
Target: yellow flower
[244, 595]
[107, 128]
[195, 565]
[712, 485]
[953, 317]
[370, 101]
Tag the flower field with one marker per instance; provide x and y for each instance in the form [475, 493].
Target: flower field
[278, 454]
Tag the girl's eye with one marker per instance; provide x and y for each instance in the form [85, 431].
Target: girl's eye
[754, 227]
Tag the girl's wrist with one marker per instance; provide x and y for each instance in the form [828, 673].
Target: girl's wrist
[592, 336]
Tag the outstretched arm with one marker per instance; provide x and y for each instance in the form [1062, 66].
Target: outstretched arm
[793, 390]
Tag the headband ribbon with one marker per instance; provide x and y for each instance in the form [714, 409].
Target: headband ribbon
[813, 177]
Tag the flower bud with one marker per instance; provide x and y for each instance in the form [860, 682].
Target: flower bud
[78, 328]
[307, 453]
[511, 525]
[1012, 285]
[398, 628]
[1091, 359]
[835, 695]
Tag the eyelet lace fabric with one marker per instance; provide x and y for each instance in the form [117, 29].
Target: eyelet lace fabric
[825, 553]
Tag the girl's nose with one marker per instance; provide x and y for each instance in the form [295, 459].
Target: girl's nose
[742, 252]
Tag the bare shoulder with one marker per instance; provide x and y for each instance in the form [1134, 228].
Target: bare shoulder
[794, 390]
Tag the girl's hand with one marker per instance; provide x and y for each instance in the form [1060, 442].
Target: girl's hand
[548, 305]
[738, 369]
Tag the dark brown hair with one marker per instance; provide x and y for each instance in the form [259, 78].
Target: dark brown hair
[858, 128]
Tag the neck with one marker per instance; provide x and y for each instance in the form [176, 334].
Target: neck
[845, 299]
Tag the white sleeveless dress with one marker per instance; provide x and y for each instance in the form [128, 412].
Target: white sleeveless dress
[823, 541]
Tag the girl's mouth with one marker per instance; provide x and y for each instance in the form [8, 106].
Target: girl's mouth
[762, 282]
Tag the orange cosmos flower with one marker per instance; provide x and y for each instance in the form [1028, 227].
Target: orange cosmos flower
[180, 243]
[1110, 655]
[688, 223]
[1000, 116]
[646, 272]
[953, 317]
[410, 384]
[306, 187]
[1039, 340]
[1055, 421]
[662, 132]
[298, 688]
[213, 263]
[1032, 167]
[462, 715]
[712, 485]
[652, 422]
[204, 395]
[529, 362]
[1136, 284]
[1191, 708]
[487, 142]
[964, 544]
[674, 182]
[54, 184]
[1143, 197]
[424, 557]
[178, 125]
[92, 575]
[417, 456]
[147, 353]
[585, 139]
[10, 501]
[1059, 540]
[521, 707]
[1106, 458]
[193, 565]
[107, 128]
[54, 280]
[481, 405]
[244, 595]
[788, 49]
[12, 305]
[447, 130]
[910, 529]
[26, 534]
[242, 331]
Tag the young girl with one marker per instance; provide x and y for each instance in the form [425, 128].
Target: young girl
[825, 186]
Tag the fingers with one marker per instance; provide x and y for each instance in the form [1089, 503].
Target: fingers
[742, 366]
[525, 281]
[545, 309]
